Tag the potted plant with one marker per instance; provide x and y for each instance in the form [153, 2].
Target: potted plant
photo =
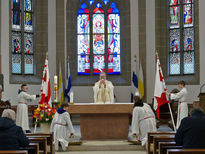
[44, 115]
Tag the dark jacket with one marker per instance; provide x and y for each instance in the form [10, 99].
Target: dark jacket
[191, 133]
[11, 136]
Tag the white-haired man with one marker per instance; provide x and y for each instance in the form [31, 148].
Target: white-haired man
[11, 136]
[103, 90]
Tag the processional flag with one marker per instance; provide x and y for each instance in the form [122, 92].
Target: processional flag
[160, 89]
[45, 85]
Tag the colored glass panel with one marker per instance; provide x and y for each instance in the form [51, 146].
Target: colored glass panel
[98, 64]
[83, 23]
[28, 5]
[84, 64]
[16, 20]
[16, 42]
[188, 1]
[98, 44]
[106, 1]
[98, 8]
[28, 43]
[188, 62]
[28, 64]
[113, 23]
[188, 39]
[188, 15]
[16, 5]
[113, 8]
[174, 66]
[174, 40]
[98, 23]
[28, 21]
[113, 64]
[83, 8]
[91, 1]
[174, 17]
[113, 44]
[83, 44]
[174, 2]
[16, 63]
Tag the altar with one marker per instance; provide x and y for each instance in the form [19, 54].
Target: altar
[103, 121]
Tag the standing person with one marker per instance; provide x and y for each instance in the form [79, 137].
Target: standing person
[59, 126]
[22, 108]
[12, 136]
[182, 104]
[143, 120]
[103, 90]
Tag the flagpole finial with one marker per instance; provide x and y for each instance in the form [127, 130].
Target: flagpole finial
[135, 56]
[47, 54]
[157, 54]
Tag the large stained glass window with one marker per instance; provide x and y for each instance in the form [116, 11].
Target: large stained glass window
[181, 37]
[98, 37]
[22, 53]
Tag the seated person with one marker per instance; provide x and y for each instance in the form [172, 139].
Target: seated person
[143, 120]
[11, 136]
[103, 90]
[191, 132]
[59, 126]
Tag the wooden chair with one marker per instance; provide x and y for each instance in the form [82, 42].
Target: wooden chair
[151, 137]
[14, 152]
[42, 141]
[49, 137]
[161, 145]
[186, 151]
[33, 148]
[161, 138]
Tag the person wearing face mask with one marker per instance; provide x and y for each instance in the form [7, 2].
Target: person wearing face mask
[103, 90]
[182, 104]
[22, 108]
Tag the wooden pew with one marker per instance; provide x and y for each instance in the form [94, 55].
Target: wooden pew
[33, 148]
[161, 138]
[186, 151]
[164, 146]
[49, 137]
[14, 152]
[42, 141]
[151, 137]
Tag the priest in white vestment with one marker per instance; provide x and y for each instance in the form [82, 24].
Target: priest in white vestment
[62, 126]
[24, 99]
[143, 120]
[182, 102]
[103, 90]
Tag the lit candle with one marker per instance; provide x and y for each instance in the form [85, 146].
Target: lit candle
[55, 88]
[71, 96]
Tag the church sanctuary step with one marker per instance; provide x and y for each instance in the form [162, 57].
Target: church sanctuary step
[106, 146]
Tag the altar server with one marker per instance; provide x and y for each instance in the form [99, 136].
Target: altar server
[22, 108]
[143, 120]
[59, 125]
[103, 90]
[182, 104]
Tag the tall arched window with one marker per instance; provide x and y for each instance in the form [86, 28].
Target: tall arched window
[98, 37]
[181, 37]
[22, 33]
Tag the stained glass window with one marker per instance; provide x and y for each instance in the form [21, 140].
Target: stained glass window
[181, 37]
[99, 47]
[22, 34]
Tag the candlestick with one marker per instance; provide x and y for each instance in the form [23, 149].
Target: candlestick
[55, 88]
[71, 96]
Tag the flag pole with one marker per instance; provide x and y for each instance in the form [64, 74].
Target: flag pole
[170, 110]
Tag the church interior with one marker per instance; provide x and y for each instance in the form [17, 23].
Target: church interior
[98, 55]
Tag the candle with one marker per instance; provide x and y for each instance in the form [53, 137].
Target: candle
[71, 96]
[55, 88]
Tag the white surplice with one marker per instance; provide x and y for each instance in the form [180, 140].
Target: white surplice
[59, 126]
[22, 110]
[182, 106]
[103, 94]
[143, 121]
